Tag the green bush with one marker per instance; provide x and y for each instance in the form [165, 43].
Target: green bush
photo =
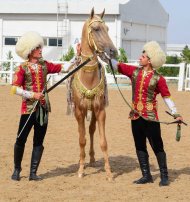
[122, 57]
[170, 71]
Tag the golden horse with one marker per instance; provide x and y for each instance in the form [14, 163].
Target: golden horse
[89, 86]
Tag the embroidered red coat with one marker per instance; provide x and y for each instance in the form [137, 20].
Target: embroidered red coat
[29, 79]
[144, 90]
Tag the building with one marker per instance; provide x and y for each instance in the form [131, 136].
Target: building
[131, 23]
[176, 49]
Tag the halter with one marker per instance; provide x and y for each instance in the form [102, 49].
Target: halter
[90, 36]
[92, 67]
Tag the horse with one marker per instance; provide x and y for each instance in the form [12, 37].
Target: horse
[89, 88]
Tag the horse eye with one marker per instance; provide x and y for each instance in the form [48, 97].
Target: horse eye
[96, 29]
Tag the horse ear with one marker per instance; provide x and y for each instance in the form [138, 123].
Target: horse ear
[102, 14]
[92, 13]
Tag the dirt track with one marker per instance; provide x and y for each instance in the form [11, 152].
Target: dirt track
[60, 160]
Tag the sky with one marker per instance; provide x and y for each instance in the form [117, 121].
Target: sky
[179, 21]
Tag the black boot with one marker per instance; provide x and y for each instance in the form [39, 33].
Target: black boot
[35, 161]
[161, 158]
[145, 168]
[18, 154]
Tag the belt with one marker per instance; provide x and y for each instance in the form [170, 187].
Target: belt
[140, 106]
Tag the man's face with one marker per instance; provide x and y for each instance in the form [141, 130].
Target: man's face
[144, 60]
[37, 53]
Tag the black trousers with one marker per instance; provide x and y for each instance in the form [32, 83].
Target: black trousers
[39, 131]
[143, 129]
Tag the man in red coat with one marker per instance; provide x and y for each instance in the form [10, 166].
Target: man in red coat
[29, 82]
[146, 85]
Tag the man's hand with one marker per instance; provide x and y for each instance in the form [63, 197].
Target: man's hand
[180, 118]
[38, 96]
[114, 64]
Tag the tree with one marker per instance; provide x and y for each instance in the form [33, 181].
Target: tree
[173, 59]
[185, 55]
[6, 65]
[69, 55]
[122, 57]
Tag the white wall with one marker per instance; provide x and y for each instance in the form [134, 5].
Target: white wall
[130, 26]
[142, 22]
[18, 27]
[176, 49]
[1, 38]
[144, 12]
[135, 35]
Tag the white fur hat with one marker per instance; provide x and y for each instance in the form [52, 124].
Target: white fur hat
[28, 42]
[155, 53]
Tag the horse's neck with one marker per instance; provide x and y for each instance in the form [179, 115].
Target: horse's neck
[89, 74]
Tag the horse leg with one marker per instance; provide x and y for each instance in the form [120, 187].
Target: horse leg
[92, 129]
[82, 140]
[101, 117]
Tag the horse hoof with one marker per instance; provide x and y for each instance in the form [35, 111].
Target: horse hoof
[80, 175]
[110, 178]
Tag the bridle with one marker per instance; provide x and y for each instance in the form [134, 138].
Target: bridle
[92, 45]
[90, 37]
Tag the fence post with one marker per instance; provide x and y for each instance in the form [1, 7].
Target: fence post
[11, 70]
[181, 77]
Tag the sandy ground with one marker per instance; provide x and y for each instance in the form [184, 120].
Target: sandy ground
[59, 163]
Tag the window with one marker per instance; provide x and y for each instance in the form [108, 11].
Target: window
[11, 40]
[55, 42]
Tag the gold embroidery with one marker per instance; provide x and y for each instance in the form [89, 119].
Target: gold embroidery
[89, 93]
[90, 68]
[37, 74]
[141, 87]
[149, 106]
[140, 106]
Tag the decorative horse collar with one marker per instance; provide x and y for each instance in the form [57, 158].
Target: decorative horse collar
[90, 67]
[89, 94]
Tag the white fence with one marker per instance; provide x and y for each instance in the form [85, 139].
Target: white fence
[187, 78]
[183, 79]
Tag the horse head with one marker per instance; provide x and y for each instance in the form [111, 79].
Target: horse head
[95, 38]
